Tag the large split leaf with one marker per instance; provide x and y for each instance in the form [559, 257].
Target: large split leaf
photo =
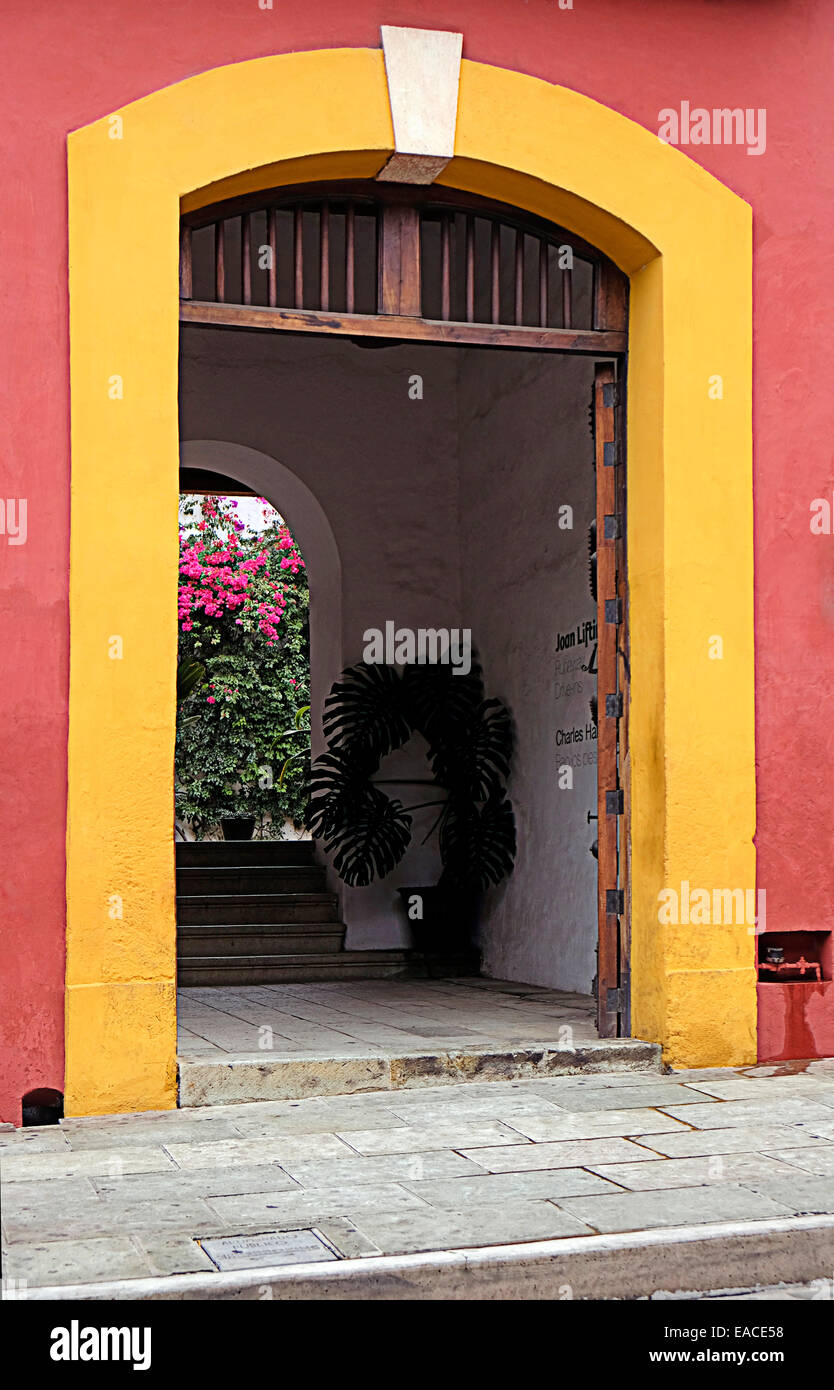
[374, 842]
[438, 700]
[474, 763]
[338, 789]
[478, 843]
[363, 713]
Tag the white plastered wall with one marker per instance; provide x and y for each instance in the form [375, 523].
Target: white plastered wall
[438, 511]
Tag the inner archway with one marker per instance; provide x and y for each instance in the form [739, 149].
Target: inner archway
[268, 477]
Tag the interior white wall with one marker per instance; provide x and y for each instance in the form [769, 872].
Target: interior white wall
[383, 467]
[525, 452]
[443, 511]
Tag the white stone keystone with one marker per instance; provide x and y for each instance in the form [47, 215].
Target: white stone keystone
[422, 68]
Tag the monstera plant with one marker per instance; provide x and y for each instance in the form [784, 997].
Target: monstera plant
[372, 710]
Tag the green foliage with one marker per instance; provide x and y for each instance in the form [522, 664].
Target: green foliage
[243, 748]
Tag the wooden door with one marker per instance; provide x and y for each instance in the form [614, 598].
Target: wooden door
[613, 1013]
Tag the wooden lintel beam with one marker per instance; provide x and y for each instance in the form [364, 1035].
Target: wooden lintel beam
[597, 344]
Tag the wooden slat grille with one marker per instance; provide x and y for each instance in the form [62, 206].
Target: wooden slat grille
[381, 254]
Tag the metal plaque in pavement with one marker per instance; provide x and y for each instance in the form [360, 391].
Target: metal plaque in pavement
[271, 1248]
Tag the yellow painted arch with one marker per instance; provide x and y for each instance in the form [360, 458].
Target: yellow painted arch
[685, 242]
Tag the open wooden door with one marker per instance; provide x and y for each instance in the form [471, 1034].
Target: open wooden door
[613, 993]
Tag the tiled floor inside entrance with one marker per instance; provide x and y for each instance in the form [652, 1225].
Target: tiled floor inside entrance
[288, 1042]
[376, 1016]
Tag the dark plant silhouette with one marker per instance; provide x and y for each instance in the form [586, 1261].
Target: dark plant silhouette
[372, 710]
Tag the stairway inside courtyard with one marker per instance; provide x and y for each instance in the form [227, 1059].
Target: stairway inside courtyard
[256, 912]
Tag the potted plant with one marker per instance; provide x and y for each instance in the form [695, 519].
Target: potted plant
[237, 827]
[372, 710]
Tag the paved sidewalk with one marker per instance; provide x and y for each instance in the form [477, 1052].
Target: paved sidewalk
[427, 1169]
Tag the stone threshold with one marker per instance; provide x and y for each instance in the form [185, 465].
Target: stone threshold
[236, 1080]
[676, 1261]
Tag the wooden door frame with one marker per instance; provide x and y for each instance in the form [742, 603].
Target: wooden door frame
[399, 290]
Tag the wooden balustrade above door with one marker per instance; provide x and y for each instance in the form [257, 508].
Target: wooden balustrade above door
[399, 262]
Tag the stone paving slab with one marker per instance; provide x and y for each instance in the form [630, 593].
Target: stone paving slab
[799, 1087]
[55, 1195]
[124, 1137]
[567, 1154]
[33, 1141]
[26, 1167]
[459, 1194]
[697, 1172]
[230, 1151]
[556, 1125]
[663, 1093]
[106, 1216]
[713, 1115]
[412, 1167]
[416, 1110]
[270, 1209]
[694, 1143]
[420, 1138]
[75, 1261]
[336, 1119]
[174, 1253]
[801, 1193]
[639, 1211]
[400, 1233]
[819, 1161]
[199, 1182]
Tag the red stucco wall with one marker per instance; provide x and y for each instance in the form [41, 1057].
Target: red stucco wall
[68, 64]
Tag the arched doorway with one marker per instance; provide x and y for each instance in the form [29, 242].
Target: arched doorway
[377, 264]
[691, 730]
[270, 478]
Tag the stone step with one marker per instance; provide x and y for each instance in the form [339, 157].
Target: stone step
[301, 968]
[231, 909]
[251, 878]
[231, 1080]
[217, 852]
[259, 939]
